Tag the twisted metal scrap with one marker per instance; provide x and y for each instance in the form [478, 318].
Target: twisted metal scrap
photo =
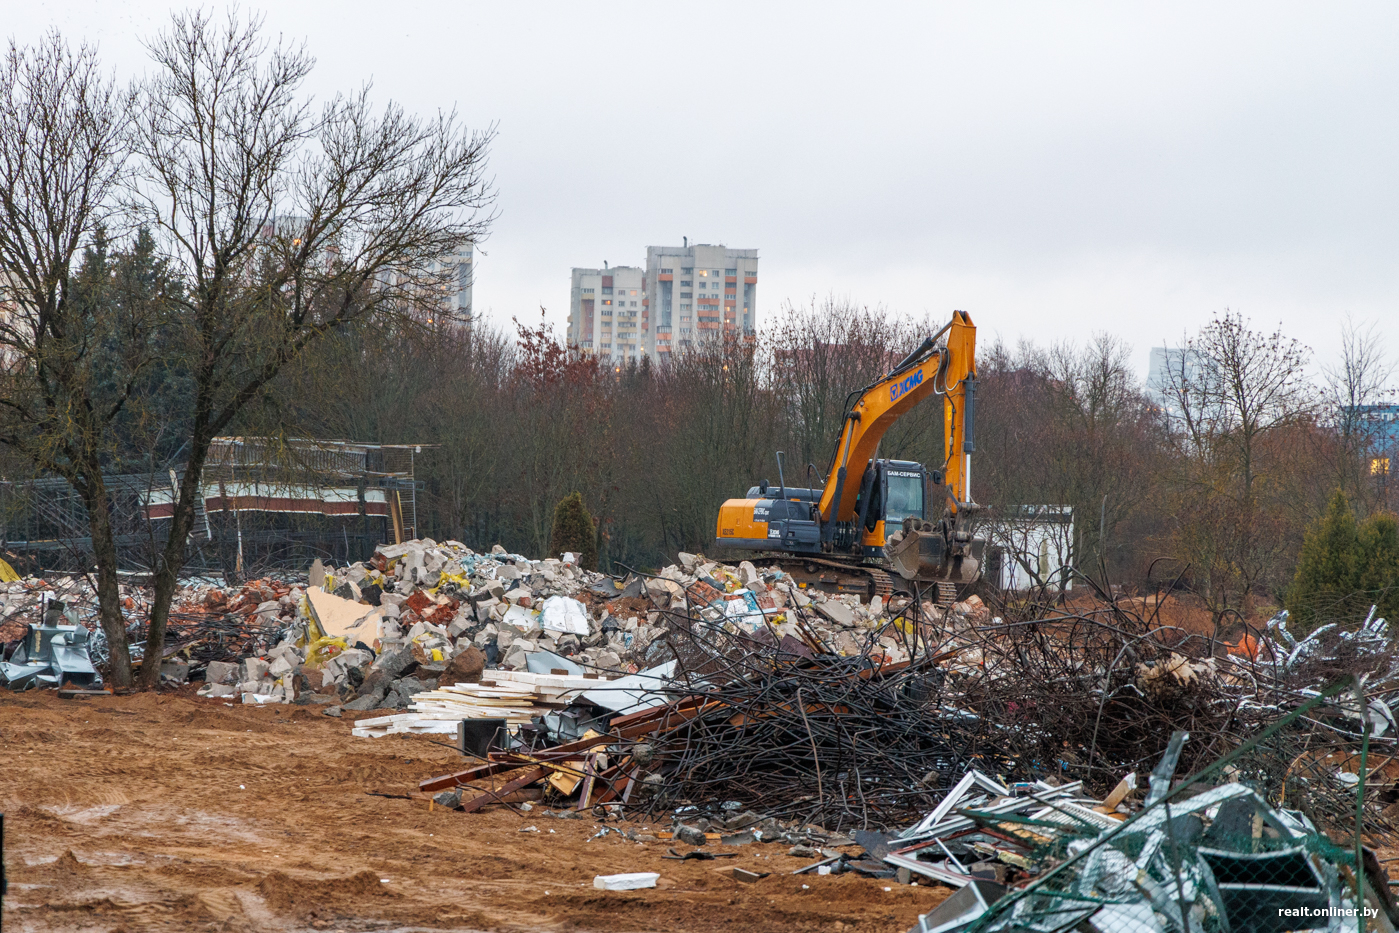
[798, 732]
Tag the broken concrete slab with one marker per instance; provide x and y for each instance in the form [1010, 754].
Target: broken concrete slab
[836, 611]
[344, 618]
[631, 881]
[220, 672]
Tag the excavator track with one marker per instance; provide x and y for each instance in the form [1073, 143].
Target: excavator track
[833, 576]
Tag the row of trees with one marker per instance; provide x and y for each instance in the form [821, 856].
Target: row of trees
[1209, 483]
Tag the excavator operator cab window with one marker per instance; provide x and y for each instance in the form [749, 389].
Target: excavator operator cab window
[904, 497]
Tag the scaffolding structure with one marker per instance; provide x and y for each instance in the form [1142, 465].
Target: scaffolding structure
[265, 504]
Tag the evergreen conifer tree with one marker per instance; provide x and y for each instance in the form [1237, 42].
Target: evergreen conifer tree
[1324, 586]
[1377, 553]
[573, 531]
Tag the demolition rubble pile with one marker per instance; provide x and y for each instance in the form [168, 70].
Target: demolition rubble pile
[421, 617]
[372, 635]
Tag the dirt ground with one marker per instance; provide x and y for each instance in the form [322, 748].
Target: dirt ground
[171, 812]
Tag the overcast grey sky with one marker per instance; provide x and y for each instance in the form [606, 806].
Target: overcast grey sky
[1055, 169]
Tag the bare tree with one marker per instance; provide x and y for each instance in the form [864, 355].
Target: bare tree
[823, 352]
[1066, 425]
[1357, 383]
[71, 360]
[286, 221]
[1232, 389]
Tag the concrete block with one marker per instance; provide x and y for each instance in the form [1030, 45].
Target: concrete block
[394, 663]
[253, 669]
[664, 592]
[174, 671]
[278, 668]
[221, 672]
[515, 657]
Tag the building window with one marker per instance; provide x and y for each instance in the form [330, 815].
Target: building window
[731, 272]
[687, 294]
[687, 270]
[607, 301]
[684, 307]
[686, 283]
[587, 291]
[666, 272]
[633, 291]
[607, 290]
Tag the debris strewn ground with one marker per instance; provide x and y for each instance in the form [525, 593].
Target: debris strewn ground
[726, 714]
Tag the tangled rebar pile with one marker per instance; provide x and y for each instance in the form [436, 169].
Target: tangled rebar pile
[793, 729]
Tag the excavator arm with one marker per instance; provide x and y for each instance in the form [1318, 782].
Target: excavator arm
[946, 369]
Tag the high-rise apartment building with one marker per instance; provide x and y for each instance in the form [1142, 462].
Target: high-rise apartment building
[700, 292]
[608, 316]
[684, 295]
[455, 272]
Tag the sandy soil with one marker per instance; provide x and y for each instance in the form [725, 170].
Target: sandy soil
[171, 813]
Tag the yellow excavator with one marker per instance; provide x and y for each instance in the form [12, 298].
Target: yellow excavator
[880, 526]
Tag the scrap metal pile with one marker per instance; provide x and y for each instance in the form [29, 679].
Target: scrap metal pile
[1194, 855]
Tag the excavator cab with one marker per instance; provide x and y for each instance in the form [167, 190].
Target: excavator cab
[890, 491]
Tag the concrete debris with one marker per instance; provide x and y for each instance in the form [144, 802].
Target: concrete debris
[421, 616]
[630, 881]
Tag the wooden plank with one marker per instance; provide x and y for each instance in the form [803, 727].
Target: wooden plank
[589, 772]
[456, 779]
[494, 796]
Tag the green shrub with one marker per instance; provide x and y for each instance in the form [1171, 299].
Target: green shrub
[1326, 579]
[574, 531]
[1345, 568]
[1377, 564]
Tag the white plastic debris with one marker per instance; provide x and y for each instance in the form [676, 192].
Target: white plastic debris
[629, 881]
[564, 614]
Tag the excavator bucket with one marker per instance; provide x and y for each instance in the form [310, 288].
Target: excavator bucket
[920, 551]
